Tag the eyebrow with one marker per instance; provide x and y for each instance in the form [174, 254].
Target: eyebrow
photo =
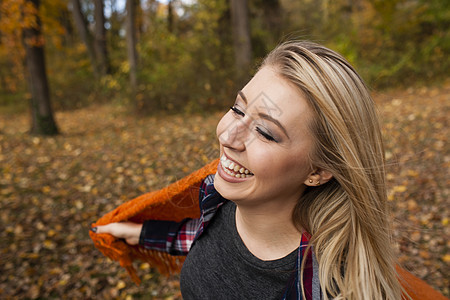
[240, 93]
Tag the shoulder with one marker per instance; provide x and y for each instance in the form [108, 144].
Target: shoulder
[209, 198]
[207, 186]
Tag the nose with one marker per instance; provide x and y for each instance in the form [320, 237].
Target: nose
[234, 135]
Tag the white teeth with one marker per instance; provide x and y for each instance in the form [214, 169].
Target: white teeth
[234, 169]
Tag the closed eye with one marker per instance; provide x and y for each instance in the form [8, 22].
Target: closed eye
[266, 135]
[237, 111]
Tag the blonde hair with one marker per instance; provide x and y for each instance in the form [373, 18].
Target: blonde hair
[347, 216]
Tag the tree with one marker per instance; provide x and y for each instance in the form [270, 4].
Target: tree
[100, 37]
[241, 36]
[85, 34]
[170, 16]
[41, 110]
[131, 43]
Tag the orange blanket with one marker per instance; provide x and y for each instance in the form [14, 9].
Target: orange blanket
[176, 202]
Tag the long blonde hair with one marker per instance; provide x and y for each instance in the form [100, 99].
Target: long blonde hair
[347, 216]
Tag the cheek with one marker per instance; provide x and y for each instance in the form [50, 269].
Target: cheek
[261, 160]
[301, 166]
[280, 164]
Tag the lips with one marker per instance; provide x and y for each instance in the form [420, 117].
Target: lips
[234, 169]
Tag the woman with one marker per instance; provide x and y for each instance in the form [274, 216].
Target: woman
[297, 208]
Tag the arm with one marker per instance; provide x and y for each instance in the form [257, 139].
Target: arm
[175, 238]
[172, 237]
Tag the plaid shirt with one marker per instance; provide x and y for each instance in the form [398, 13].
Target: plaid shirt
[176, 238]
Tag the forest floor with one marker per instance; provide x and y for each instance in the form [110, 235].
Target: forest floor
[53, 188]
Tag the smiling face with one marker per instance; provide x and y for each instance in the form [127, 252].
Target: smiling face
[265, 143]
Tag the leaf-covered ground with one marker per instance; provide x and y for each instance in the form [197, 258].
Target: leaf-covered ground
[51, 189]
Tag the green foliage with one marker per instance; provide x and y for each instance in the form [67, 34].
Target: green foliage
[405, 43]
[390, 41]
[189, 66]
[70, 78]
[190, 69]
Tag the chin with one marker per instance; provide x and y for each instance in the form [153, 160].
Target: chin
[226, 189]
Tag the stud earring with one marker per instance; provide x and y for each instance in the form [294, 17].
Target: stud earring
[318, 182]
[310, 181]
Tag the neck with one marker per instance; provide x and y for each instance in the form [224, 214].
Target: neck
[268, 230]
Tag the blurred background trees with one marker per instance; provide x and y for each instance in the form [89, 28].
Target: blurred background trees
[190, 56]
[193, 55]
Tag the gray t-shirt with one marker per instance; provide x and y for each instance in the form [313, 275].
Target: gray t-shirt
[219, 265]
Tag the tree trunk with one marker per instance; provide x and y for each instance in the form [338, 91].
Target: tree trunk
[100, 38]
[241, 36]
[85, 35]
[170, 16]
[41, 110]
[131, 43]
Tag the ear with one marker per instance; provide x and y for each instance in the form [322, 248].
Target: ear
[318, 177]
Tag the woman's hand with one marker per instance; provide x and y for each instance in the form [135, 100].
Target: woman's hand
[124, 230]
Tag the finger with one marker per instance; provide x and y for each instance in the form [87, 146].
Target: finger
[103, 229]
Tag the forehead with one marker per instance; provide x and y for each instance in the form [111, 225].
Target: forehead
[269, 93]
